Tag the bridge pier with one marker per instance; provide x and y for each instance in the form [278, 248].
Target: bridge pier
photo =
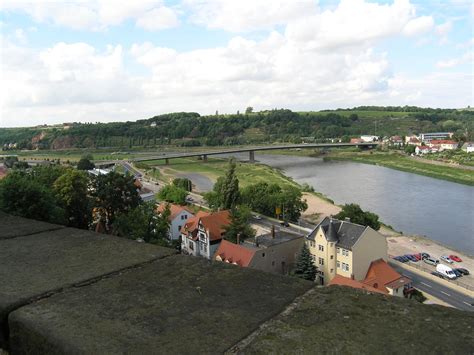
[204, 158]
[167, 161]
[252, 156]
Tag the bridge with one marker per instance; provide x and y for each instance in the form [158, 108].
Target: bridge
[252, 150]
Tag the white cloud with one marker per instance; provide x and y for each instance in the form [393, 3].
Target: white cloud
[97, 15]
[467, 57]
[418, 26]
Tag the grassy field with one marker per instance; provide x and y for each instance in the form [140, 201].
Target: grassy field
[404, 163]
[214, 167]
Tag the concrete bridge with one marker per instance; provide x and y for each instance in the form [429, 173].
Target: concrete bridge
[252, 150]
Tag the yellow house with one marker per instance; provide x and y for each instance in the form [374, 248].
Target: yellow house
[344, 248]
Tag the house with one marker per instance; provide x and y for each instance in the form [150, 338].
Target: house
[383, 277]
[413, 140]
[274, 252]
[369, 138]
[443, 144]
[428, 137]
[202, 234]
[380, 278]
[179, 215]
[423, 149]
[468, 147]
[396, 141]
[344, 248]
[356, 140]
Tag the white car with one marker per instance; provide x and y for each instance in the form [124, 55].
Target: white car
[256, 216]
[446, 259]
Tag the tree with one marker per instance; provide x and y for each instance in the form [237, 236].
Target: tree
[226, 192]
[357, 215]
[85, 163]
[183, 183]
[72, 190]
[305, 267]
[173, 194]
[22, 195]
[239, 225]
[143, 222]
[410, 149]
[248, 110]
[114, 193]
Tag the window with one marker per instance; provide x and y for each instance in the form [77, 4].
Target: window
[332, 257]
[332, 270]
[311, 244]
[338, 264]
[321, 261]
[263, 255]
[313, 258]
[321, 247]
[183, 216]
[205, 248]
[345, 252]
[179, 228]
[273, 263]
[338, 250]
[345, 267]
[191, 245]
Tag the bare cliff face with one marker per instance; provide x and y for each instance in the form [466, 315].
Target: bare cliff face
[64, 142]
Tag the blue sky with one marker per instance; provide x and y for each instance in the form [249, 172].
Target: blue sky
[104, 60]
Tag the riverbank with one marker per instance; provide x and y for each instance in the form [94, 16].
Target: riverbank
[405, 163]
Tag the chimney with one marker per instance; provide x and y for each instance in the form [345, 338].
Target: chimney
[273, 231]
[238, 238]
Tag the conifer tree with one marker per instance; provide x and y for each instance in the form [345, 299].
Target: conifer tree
[305, 267]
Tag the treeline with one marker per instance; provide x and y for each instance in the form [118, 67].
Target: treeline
[191, 129]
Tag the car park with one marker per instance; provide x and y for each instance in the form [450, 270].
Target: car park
[431, 261]
[463, 270]
[455, 258]
[446, 258]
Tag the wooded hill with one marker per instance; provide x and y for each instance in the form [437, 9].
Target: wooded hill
[192, 129]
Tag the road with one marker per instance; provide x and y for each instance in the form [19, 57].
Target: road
[444, 293]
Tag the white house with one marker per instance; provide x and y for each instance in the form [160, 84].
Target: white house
[202, 234]
[424, 149]
[369, 138]
[179, 215]
[468, 147]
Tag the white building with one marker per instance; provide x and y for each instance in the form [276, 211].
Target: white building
[369, 138]
[468, 147]
[179, 215]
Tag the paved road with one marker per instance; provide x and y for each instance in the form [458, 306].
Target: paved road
[444, 293]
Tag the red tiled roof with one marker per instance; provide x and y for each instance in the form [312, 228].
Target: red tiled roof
[174, 209]
[381, 275]
[356, 140]
[191, 225]
[443, 141]
[234, 253]
[423, 147]
[215, 224]
[345, 281]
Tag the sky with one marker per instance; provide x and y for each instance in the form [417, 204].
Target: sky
[106, 60]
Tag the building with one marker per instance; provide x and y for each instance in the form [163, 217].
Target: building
[274, 252]
[443, 144]
[344, 248]
[428, 137]
[424, 149]
[369, 138]
[179, 215]
[396, 141]
[380, 278]
[202, 234]
[356, 140]
[412, 140]
[468, 147]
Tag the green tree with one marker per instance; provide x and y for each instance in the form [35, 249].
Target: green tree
[239, 225]
[114, 193]
[143, 222]
[226, 193]
[410, 149]
[85, 163]
[357, 215]
[72, 190]
[173, 194]
[305, 267]
[248, 110]
[22, 195]
[183, 183]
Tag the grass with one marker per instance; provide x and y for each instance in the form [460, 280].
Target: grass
[404, 163]
[247, 173]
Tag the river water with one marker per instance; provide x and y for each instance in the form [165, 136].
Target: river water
[410, 203]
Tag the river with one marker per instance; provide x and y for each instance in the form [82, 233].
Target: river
[413, 204]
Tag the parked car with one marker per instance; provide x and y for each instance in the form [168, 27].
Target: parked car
[424, 255]
[400, 259]
[446, 271]
[411, 258]
[431, 261]
[438, 274]
[446, 259]
[417, 256]
[457, 273]
[463, 270]
[455, 258]
[189, 199]
[256, 216]
[284, 223]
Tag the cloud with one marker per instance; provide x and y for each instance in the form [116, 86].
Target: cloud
[467, 57]
[97, 15]
[418, 26]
